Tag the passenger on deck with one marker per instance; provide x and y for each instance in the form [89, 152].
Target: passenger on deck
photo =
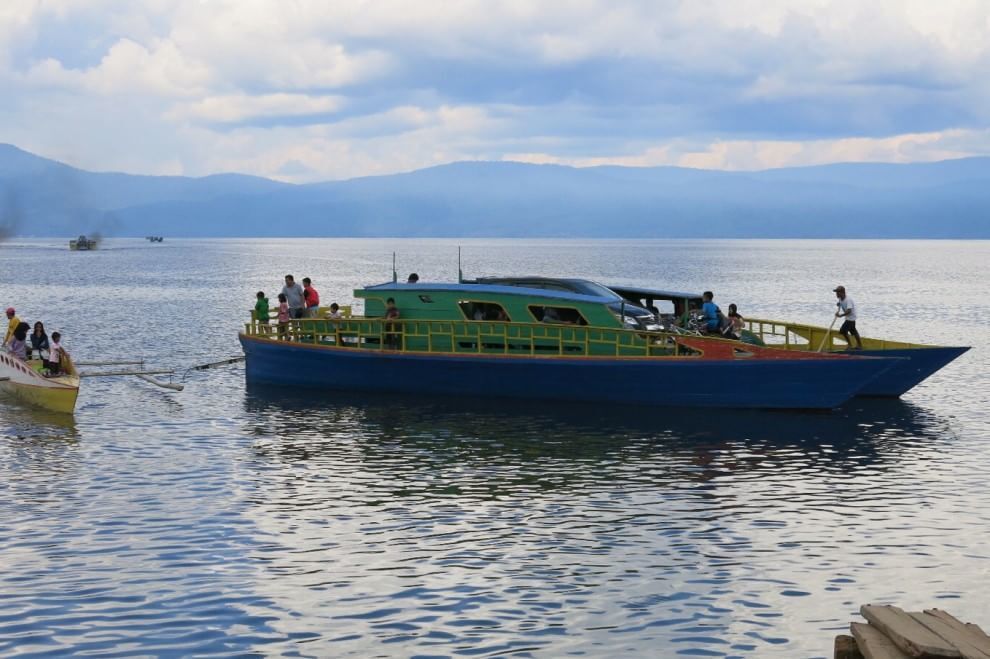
[39, 341]
[56, 356]
[261, 312]
[392, 339]
[284, 314]
[17, 345]
[312, 298]
[711, 312]
[12, 322]
[734, 328]
[295, 296]
[391, 311]
[334, 313]
[846, 309]
[413, 278]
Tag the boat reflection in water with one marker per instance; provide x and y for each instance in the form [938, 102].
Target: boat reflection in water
[563, 442]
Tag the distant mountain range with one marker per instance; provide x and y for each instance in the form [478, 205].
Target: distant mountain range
[948, 199]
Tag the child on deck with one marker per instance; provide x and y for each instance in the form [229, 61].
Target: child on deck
[261, 313]
[56, 354]
[334, 313]
[283, 317]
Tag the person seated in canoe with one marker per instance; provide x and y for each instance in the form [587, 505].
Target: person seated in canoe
[17, 345]
[12, 322]
[413, 278]
[711, 313]
[56, 355]
[39, 342]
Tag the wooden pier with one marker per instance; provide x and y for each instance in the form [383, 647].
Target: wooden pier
[892, 633]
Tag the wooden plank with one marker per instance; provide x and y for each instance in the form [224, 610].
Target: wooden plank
[873, 644]
[846, 648]
[967, 626]
[970, 640]
[913, 638]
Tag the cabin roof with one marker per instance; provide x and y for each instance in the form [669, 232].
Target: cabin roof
[519, 291]
[654, 293]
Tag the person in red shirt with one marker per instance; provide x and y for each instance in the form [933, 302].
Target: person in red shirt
[311, 296]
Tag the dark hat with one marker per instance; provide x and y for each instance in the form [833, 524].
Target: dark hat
[839, 288]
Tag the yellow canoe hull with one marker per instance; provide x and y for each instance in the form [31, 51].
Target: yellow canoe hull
[23, 381]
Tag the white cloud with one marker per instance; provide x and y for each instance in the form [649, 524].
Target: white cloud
[320, 89]
[234, 108]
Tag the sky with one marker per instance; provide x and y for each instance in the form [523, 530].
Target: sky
[310, 90]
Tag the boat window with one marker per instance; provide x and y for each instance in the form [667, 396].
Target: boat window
[483, 310]
[425, 298]
[557, 315]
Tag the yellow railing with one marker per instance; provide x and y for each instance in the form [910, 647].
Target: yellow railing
[321, 312]
[795, 336]
[474, 337]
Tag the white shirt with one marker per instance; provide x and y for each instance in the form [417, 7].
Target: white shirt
[848, 307]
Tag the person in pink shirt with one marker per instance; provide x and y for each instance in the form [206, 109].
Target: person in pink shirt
[283, 317]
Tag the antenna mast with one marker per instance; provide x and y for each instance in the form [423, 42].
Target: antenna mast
[395, 275]
[460, 274]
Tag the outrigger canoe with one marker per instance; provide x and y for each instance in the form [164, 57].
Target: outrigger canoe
[25, 381]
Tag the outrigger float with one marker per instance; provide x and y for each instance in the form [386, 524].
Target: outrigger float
[576, 342]
[26, 381]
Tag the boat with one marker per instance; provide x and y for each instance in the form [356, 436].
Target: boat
[82, 244]
[24, 380]
[918, 361]
[155, 239]
[489, 339]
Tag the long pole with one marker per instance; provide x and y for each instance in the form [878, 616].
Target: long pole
[827, 334]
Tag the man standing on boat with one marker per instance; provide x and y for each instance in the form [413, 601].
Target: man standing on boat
[295, 296]
[847, 310]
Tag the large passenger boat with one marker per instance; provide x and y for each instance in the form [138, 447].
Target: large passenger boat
[576, 341]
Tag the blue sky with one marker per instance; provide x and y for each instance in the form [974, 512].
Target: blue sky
[306, 90]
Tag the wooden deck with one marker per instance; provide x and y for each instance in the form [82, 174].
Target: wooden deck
[892, 633]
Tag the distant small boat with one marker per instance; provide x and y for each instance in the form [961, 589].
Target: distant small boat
[24, 380]
[82, 243]
[155, 239]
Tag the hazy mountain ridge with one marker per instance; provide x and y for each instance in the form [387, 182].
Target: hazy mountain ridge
[948, 199]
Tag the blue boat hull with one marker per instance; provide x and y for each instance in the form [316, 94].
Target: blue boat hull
[742, 383]
[915, 365]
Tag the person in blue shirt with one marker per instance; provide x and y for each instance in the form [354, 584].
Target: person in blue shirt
[711, 312]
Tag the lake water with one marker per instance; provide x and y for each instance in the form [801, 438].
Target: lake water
[224, 520]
